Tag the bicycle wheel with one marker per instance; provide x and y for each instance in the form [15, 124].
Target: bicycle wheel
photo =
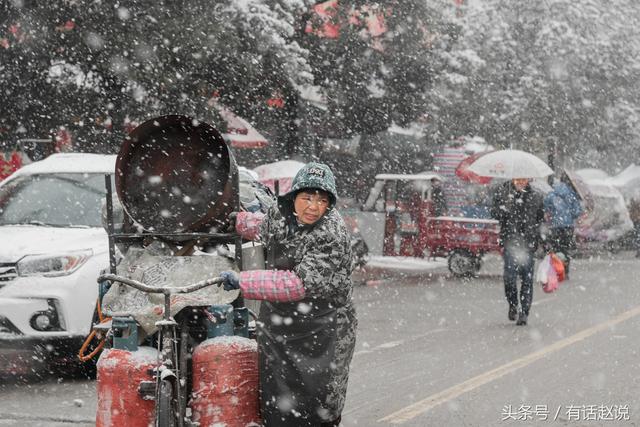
[165, 415]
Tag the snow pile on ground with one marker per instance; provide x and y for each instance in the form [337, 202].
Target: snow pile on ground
[406, 263]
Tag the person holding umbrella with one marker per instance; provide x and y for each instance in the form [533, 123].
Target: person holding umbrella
[520, 211]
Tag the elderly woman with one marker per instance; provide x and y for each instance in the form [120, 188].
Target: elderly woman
[307, 322]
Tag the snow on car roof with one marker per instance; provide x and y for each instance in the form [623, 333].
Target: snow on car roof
[411, 177]
[71, 163]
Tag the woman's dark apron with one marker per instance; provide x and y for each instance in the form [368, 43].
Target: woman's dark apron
[297, 341]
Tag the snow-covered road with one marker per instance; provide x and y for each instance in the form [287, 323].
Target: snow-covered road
[434, 350]
[441, 351]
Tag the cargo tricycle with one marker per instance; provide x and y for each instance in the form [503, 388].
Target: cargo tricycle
[411, 229]
[174, 355]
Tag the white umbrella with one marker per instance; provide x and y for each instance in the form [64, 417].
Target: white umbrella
[283, 171]
[510, 164]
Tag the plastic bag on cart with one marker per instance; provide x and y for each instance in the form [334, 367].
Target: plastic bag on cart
[165, 270]
[254, 196]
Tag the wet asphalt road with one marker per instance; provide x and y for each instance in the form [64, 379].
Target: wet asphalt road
[441, 352]
[438, 351]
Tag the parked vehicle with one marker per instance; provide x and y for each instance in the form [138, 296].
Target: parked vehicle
[24, 151]
[412, 229]
[464, 241]
[605, 223]
[53, 249]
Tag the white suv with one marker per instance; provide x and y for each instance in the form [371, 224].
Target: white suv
[52, 249]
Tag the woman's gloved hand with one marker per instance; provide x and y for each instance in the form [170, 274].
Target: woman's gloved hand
[231, 280]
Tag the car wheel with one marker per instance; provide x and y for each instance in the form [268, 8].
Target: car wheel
[613, 246]
[463, 263]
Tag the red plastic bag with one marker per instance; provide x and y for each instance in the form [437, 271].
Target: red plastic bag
[552, 283]
[558, 266]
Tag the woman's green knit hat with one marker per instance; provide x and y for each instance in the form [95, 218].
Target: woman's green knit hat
[316, 176]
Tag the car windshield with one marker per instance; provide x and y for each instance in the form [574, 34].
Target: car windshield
[58, 200]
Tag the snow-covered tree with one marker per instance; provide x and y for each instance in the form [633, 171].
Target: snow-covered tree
[95, 63]
[374, 62]
[530, 74]
[377, 66]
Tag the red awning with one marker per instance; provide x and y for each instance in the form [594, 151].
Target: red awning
[240, 133]
[463, 172]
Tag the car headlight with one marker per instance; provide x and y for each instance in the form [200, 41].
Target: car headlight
[53, 265]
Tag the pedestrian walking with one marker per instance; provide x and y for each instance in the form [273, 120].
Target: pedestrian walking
[519, 210]
[307, 322]
[563, 208]
[634, 213]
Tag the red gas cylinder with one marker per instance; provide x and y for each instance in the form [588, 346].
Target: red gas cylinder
[225, 382]
[119, 375]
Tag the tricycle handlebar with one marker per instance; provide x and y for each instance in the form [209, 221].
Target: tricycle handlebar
[161, 290]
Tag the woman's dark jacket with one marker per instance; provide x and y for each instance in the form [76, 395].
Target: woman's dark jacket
[306, 346]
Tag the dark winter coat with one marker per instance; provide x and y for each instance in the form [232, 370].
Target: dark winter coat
[520, 214]
[563, 206]
[306, 346]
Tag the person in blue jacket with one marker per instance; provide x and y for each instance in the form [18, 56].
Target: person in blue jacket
[562, 206]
